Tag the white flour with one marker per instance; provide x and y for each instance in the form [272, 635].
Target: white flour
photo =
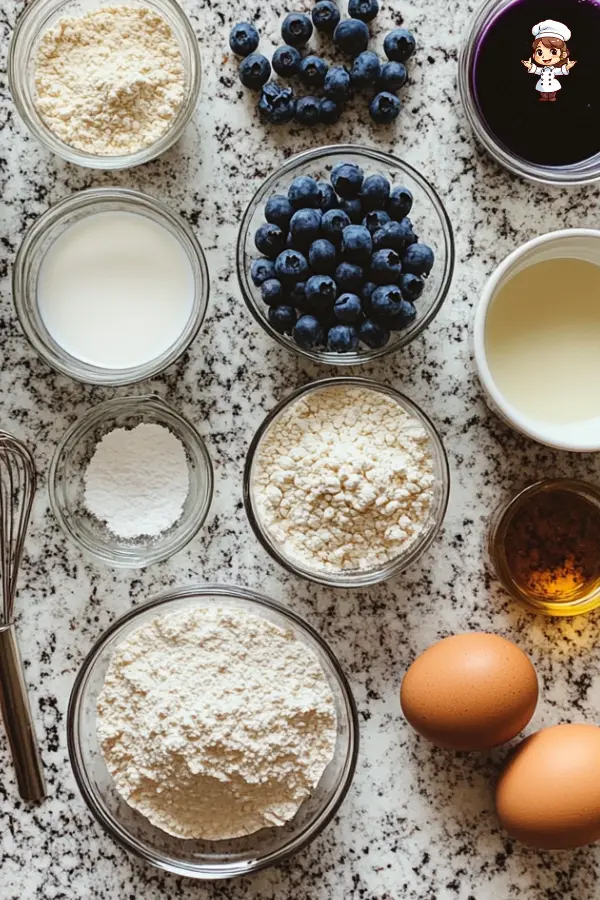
[344, 479]
[215, 723]
[111, 81]
[137, 481]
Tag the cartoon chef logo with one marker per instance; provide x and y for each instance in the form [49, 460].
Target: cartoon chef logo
[550, 57]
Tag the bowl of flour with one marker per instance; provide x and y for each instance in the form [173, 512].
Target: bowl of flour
[212, 732]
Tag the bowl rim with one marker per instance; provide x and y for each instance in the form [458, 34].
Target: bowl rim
[217, 590]
[325, 357]
[393, 567]
[136, 404]
[17, 78]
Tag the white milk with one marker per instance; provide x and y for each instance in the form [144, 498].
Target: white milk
[116, 290]
[542, 341]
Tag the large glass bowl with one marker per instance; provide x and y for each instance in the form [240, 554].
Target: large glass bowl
[428, 216]
[196, 858]
[38, 17]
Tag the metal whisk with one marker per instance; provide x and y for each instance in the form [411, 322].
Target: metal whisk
[17, 488]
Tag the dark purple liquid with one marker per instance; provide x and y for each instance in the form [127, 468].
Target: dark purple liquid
[556, 133]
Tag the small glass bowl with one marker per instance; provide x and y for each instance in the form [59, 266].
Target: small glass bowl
[428, 216]
[195, 858]
[496, 548]
[66, 483]
[31, 255]
[358, 577]
[37, 18]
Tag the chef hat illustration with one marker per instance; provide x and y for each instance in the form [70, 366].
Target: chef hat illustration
[551, 29]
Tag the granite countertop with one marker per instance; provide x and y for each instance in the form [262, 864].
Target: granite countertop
[418, 822]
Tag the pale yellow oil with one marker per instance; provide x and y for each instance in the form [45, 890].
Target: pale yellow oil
[542, 340]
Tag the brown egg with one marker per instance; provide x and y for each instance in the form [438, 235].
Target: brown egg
[548, 794]
[470, 692]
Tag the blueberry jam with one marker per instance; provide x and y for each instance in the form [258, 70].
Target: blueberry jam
[549, 118]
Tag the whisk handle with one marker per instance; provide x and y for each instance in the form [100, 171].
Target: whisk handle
[18, 723]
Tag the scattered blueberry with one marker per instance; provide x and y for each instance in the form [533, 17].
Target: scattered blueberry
[375, 192]
[313, 70]
[328, 199]
[403, 318]
[308, 332]
[366, 294]
[291, 265]
[269, 240]
[243, 39]
[322, 257]
[401, 201]
[347, 309]
[373, 335]
[418, 259]
[342, 338]
[321, 291]
[277, 105]
[386, 302]
[304, 192]
[375, 220]
[279, 211]
[296, 29]
[363, 9]
[357, 243]
[295, 293]
[272, 292]
[262, 270]
[385, 267]
[349, 277]
[411, 286]
[308, 111]
[330, 111]
[353, 209]
[255, 71]
[333, 223]
[366, 69]
[337, 83]
[393, 76]
[305, 227]
[384, 108]
[351, 36]
[395, 236]
[286, 61]
[325, 16]
[399, 45]
[347, 179]
[282, 318]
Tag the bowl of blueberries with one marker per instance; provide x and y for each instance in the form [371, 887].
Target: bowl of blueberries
[345, 254]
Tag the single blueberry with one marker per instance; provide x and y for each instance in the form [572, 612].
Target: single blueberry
[366, 293]
[305, 227]
[255, 71]
[308, 332]
[351, 37]
[342, 338]
[366, 69]
[330, 111]
[411, 286]
[363, 9]
[304, 193]
[373, 335]
[277, 105]
[286, 61]
[384, 108]
[375, 220]
[296, 29]
[325, 16]
[313, 70]
[243, 39]
[357, 244]
[308, 111]
[261, 270]
[272, 292]
[385, 302]
[328, 199]
[291, 265]
[282, 318]
[347, 179]
[399, 45]
[385, 267]
[295, 295]
[353, 209]
[269, 240]
[404, 317]
[418, 259]
[321, 291]
[375, 192]
[349, 277]
[278, 210]
[332, 225]
[347, 308]
[337, 83]
[395, 236]
[322, 257]
[393, 77]
[401, 201]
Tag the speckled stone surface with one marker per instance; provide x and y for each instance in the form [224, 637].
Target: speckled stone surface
[418, 822]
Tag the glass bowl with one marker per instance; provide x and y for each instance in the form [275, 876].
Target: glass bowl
[31, 255]
[196, 858]
[37, 18]
[428, 216]
[66, 483]
[351, 578]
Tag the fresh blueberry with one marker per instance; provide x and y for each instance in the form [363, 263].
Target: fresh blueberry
[395, 236]
[282, 318]
[401, 201]
[337, 83]
[363, 9]
[373, 335]
[384, 108]
[296, 29]
[386, 302]
[278, 210]
[304, 193]
[308, 111]
[404, 317]
[328, 198]
[385, 267]
[393, 77]
[332, 225]
[411, 286]
[351, 36]
[399, 45]
[313, 70]
[321, 291]
[353, 209]
[349, 277]
[366, 69]
[347, 179]
[375, 220]
[305, 227]
[375, 192]
[347, 309]
[325, 16]
[243, 39]
[366, 293]
[418, 259]
[357, 243]
[296, 296]
[308, 332]
[277, 105]
[255, 71]
[330, 111]
[261, 270]
[272, 292]
[286, 61]
[269, 240]
[322, 257]
[342, 338]
[291, 265]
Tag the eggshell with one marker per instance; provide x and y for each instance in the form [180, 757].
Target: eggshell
[548, 794]
[470, 692]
